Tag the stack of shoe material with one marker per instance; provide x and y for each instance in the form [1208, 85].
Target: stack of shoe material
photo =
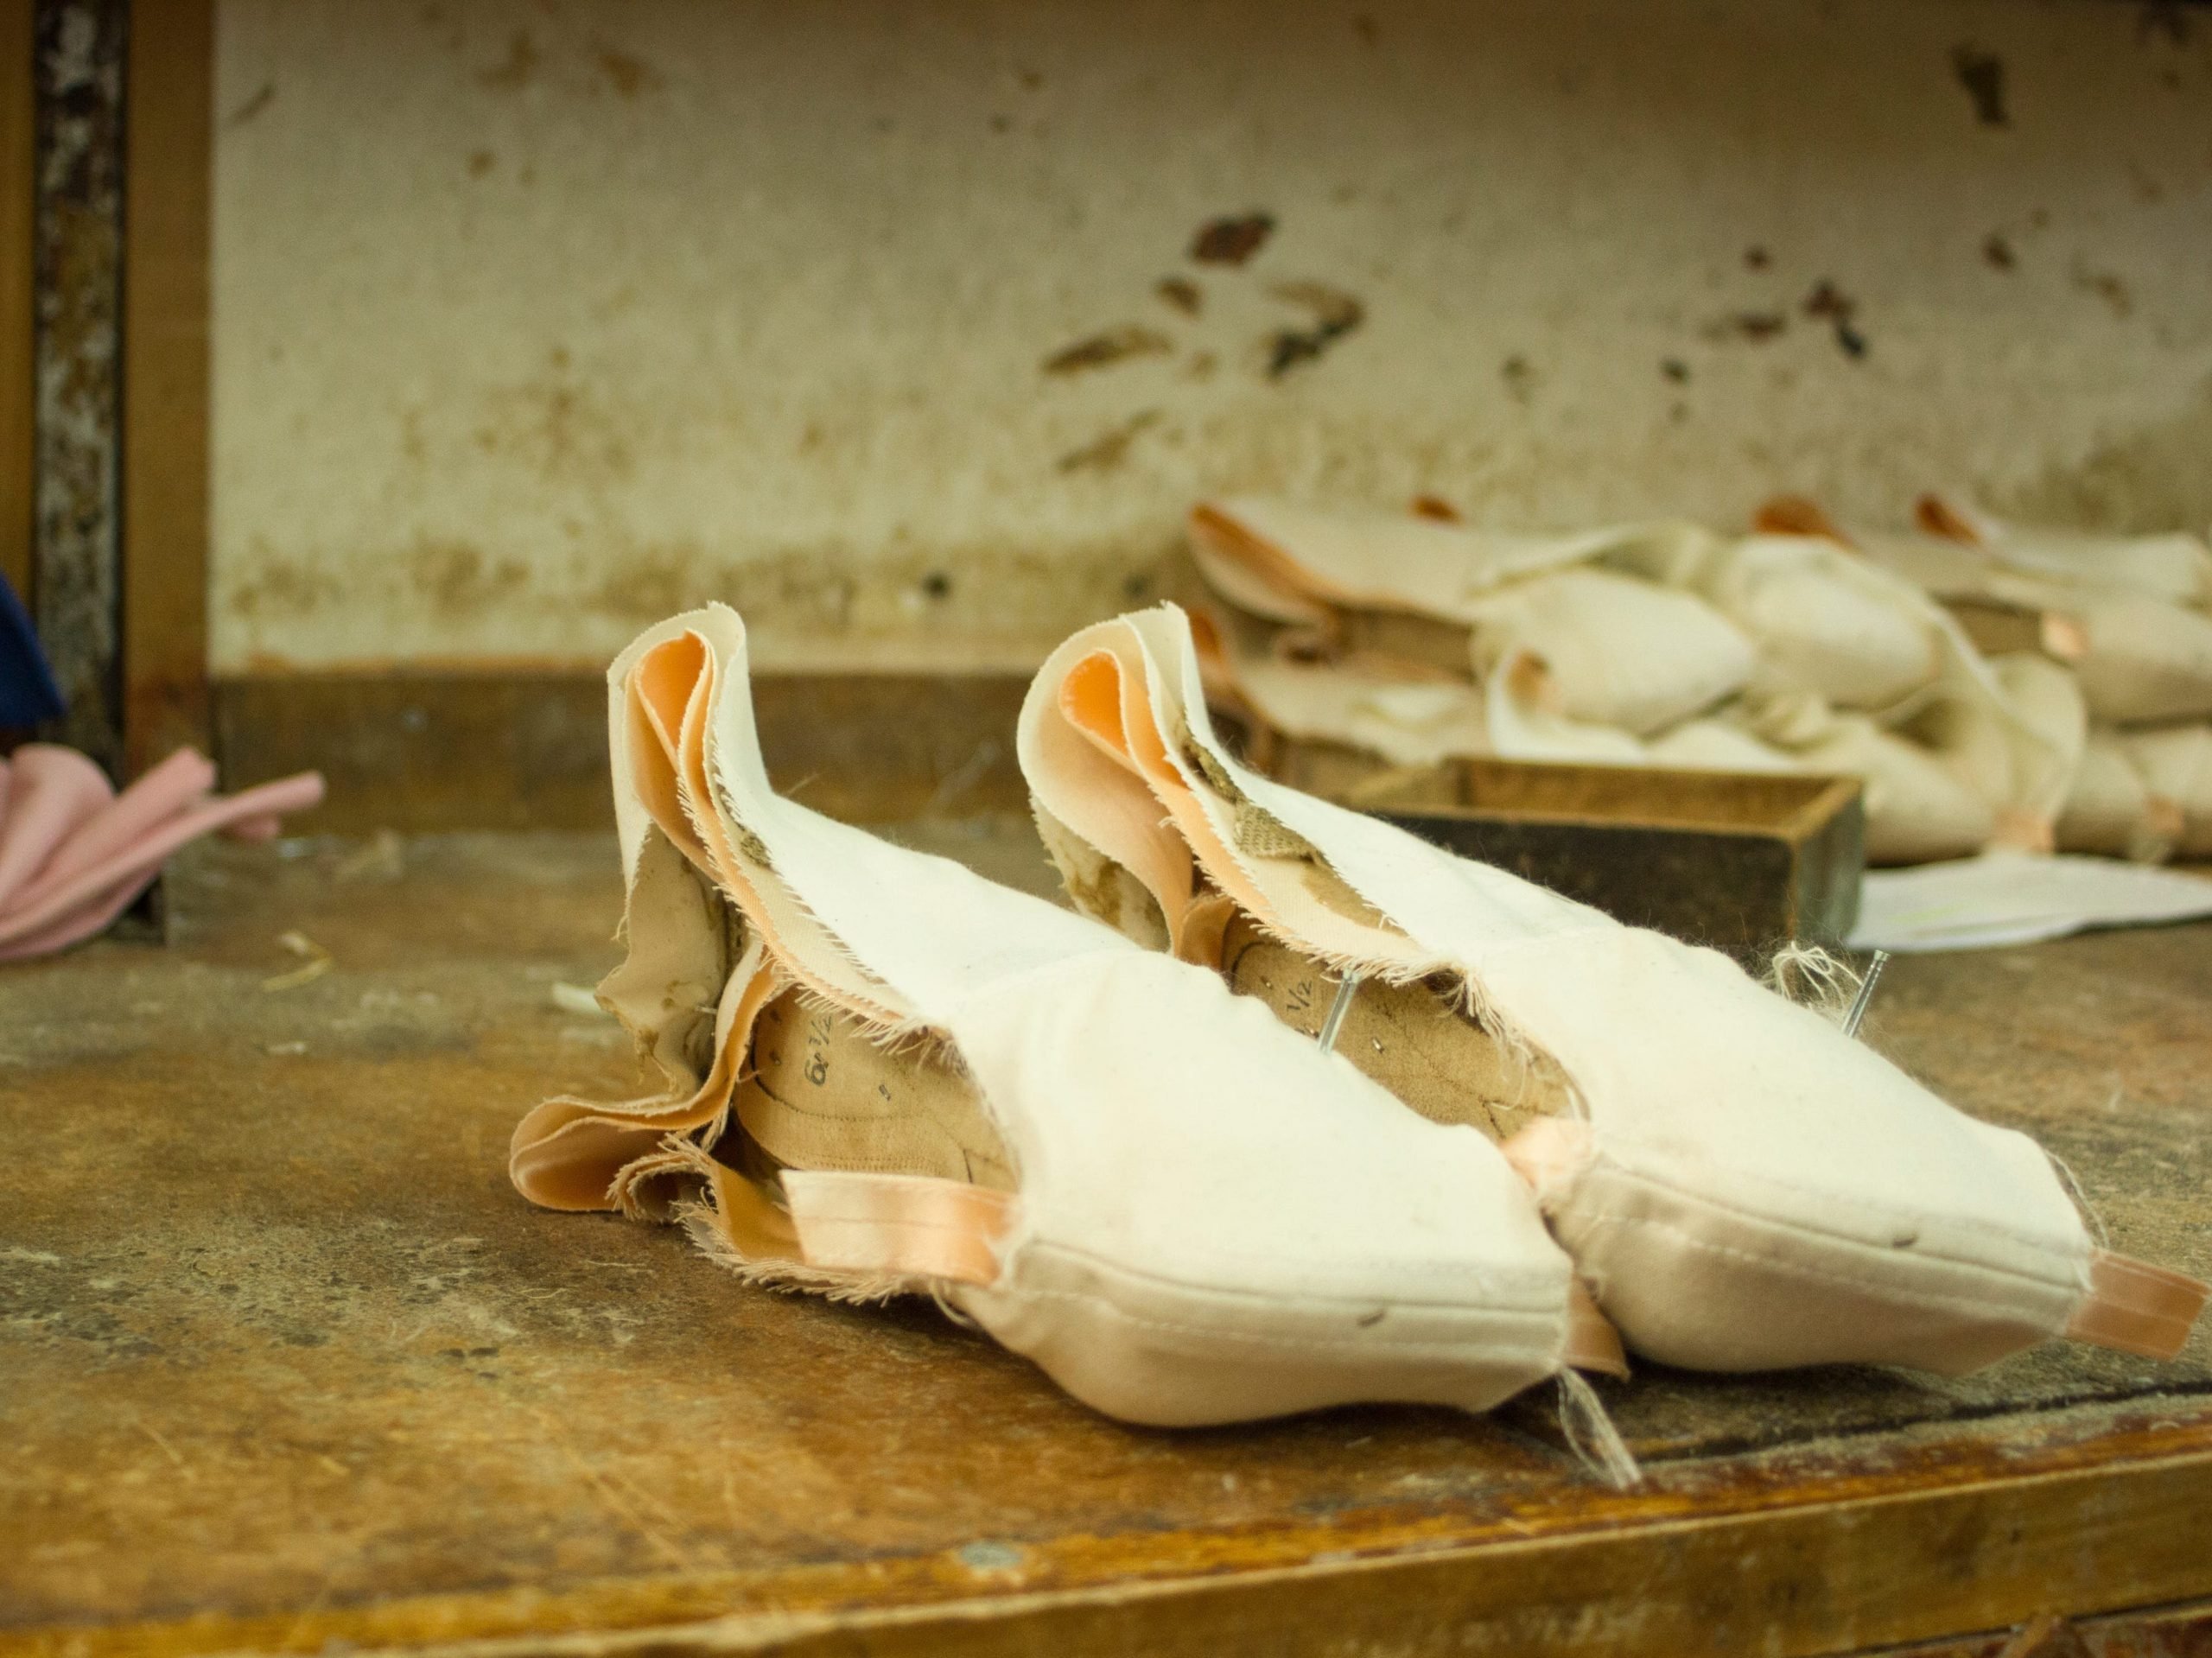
[1527, 1138]
[1658, 644]
[2114, 667]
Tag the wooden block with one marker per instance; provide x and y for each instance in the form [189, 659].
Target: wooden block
[420, 751]
[1742, 861]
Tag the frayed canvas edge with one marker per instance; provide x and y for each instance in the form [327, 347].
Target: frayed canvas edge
[636, 1112]
[685, 1148]
[905, 1039]
[701, 1224]
[1474, 997]
[1466, 989]
[2093, 1223]
[917, 1041]
[1064, 845]
[730, 923]
[722, 802]
[681, 1151]
[783, 1274]
[697, 1216]
[725, 801]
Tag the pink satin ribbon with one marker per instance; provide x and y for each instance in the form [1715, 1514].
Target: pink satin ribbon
[898, 1225]
[73, 853]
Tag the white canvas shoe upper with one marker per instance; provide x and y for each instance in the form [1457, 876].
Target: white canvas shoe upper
[1740, 1184]
[1185, 1212]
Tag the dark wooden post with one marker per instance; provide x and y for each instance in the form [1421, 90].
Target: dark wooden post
[77, 542]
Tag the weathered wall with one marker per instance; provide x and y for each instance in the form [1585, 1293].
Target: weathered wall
[535, 321]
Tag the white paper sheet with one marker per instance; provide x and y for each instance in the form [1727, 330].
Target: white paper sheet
[2017, 897]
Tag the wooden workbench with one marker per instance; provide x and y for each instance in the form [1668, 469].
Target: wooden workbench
[286, 1366]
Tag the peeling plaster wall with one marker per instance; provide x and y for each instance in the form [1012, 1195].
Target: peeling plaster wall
[535, 322]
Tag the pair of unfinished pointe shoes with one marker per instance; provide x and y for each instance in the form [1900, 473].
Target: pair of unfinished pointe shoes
[1121, 1150]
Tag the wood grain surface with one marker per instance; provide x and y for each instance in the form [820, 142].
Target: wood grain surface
[287, 1366]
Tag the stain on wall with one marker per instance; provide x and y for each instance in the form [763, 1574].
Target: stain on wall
[1982, 74]
[913, 330]
[1231, 240]
[2146, 472]
[1111, 346]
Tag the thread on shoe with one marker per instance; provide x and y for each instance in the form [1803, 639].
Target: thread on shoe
[1591, 1435]
[1813, 978]
[944, 1305]
[1859, 1003]
[2080, 1198]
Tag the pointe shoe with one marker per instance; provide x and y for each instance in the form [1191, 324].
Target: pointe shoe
[887, 1074]
[1741, 1185]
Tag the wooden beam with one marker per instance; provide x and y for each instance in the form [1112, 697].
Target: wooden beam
[420, 751]
[169, 95]
[77, 218]
[18, 149]
[1718, 1557]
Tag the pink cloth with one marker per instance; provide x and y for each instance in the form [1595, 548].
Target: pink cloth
[73, 853]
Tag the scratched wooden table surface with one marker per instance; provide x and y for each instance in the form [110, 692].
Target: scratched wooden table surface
[286, 1366]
